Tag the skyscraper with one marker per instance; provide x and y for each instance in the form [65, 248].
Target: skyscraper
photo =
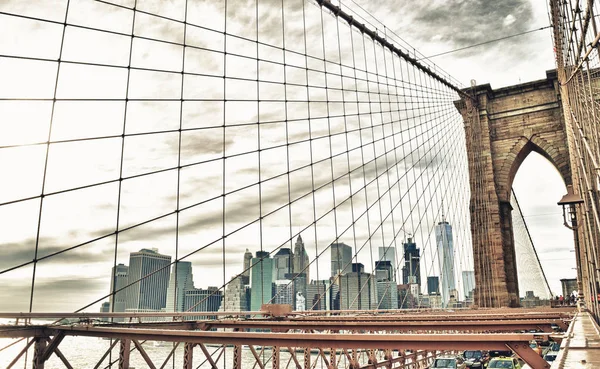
[283, 263]
[384, 270]
[411, 272]
[445, 253]
[357, 289]
[300, 259]
[181, 281]
[433, 285]
[387, 295]
[341, 258]
[261, 280]
[468, 280]
[387, 289]
[284, 292]
[199, 299]
[388, 253]
[247, 263]
[118, 281]
[320, 295]
[237, 294]
[147, 292]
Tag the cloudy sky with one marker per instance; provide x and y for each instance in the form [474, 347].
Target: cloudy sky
[435, 27]
[385, 181]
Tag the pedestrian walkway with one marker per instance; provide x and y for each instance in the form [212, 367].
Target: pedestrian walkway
[581, 347]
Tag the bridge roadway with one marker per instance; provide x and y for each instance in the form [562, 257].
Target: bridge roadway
[396, 340]
[581, 347]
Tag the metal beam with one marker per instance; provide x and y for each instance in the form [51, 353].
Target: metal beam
[188, 356]
[402, 326]
[532, 358]
[170, 354]
[208, 356]
[112, 345]
[23, 331]
[124, 351]
[399, 314]
[38, 352]
[237, 357]
[62, 358]
[144, 354]
[53, 345]
[27, 346]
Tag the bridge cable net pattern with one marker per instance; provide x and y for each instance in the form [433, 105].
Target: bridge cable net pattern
[576, 37]
[194, 131]
[531, 275]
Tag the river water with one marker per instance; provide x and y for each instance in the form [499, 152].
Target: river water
[84, 352]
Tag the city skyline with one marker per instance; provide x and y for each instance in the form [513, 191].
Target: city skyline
[90, 215]
[273, 279]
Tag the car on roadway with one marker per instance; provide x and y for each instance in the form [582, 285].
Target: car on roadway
[475, 358]
[536, 347]
[550, 356]
[504, 363]
[448, 363]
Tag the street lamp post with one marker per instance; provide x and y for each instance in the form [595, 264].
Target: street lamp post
[569, 204]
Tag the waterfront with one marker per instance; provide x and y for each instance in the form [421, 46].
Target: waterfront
[84, 352]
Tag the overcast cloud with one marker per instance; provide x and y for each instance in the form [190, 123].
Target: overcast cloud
[425, 168]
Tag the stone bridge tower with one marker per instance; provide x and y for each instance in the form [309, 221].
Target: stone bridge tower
[502, 127]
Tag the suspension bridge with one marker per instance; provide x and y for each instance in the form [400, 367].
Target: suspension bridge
[267, 184]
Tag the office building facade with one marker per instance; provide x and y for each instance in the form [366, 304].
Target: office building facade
[468, 280]
[433, 285]
[237, 294]
[300, 260]
[445, 253]
[181, 280]
[118, 297]
[283, 263]
[411, 272]
[261, 280]
[388, 254]
[341, 259]
[358, 290]
[148, 277]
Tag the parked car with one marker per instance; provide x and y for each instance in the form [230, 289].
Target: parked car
[475, 358]
[448, 363]
[504, 363]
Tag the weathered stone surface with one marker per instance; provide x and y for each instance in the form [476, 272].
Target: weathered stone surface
[503, 127]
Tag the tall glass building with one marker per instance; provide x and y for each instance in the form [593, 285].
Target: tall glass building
[147, 292]
[358, 290]
[411, 272]
[468, 280]
[181, 280]
[283, 263]
[388, 253]
[341, 259]
[119, 280]
[445, 252]
[261, 280]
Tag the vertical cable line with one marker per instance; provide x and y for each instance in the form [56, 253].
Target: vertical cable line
[177, 209]
[397, 183]
[224, 148]
[387, 165]
[383, 124]
[260, 220]
[120, 185]
[39, 222]
[364, 177]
